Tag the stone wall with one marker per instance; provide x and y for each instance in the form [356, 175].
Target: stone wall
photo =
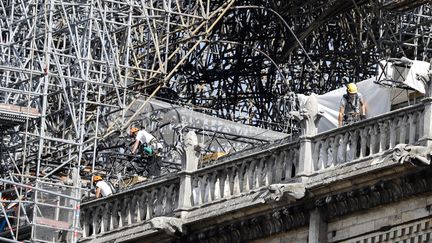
[297, 235]
[405, 220]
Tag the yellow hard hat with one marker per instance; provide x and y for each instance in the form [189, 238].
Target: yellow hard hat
[352, 88]
[97, 178]
[133, 130]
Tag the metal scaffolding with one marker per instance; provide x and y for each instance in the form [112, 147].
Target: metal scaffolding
[71, 70]
[72, 73]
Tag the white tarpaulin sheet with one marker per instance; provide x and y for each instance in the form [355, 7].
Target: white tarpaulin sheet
[404, 71]
[378, 98]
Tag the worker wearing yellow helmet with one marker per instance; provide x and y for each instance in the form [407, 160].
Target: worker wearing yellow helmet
[352, 107]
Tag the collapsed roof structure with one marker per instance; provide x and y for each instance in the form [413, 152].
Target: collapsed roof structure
[75, 75]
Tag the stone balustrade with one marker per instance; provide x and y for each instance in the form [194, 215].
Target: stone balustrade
[234, 177]
[367, 138]
[244, 172]
[130, 207]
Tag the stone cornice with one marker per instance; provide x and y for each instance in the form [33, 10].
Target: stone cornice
[380, 193]
[280, 218]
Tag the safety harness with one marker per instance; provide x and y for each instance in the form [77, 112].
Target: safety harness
[354, 114]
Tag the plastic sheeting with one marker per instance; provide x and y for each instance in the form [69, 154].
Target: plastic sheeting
[404, 71]
[162, 119]
[378, 98]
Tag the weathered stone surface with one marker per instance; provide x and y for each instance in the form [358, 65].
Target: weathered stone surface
[291, 191]
[262, 193]
[419, 155]
[158, 229]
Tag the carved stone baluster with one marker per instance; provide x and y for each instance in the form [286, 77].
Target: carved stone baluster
[153, 203]
[296, 162]
[222, 175]
[287, 163]
[133, 209]
[124, 216]
[93, 221]
[316, 156]
[127, 211]
[105, 218]
[97, 217]
[231, 179]
[412, 128]
[383, 136]
[250, 175]
[403, 129]
[196, 196]
[387, 134]
[202, 189]
[344, 147]
[148, 207]
[163, 195]
[170, 199]
[140, 207]
[420, 125]
[399, 124]
[265, 170]
[175, 197]
[157, 196]
[334, 144]
[279, 160]
[115, 215]
[353, 146]
[84, 223]
[89, 222]
[393, 132]
[208, 183]
[212, 185]
[160, 205]
[364, 133]
[373, 133]
[237, 184]
[121, 213]
[243, 176]
[270, 168]
[261, 172]
[325, 153]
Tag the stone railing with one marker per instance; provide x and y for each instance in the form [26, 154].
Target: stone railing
[368, 137]
[285, 162]
[130, 207]
[243, 174]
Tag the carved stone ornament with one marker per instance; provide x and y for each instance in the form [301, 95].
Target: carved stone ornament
[291, 191]
[274, 222]
[380, 193]
[308, 116]
[169, 225]
[418, 155]
[190, 139]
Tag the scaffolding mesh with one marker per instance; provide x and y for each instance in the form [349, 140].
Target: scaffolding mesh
[54, 213]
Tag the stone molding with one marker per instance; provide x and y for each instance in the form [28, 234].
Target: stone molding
[285, 218]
